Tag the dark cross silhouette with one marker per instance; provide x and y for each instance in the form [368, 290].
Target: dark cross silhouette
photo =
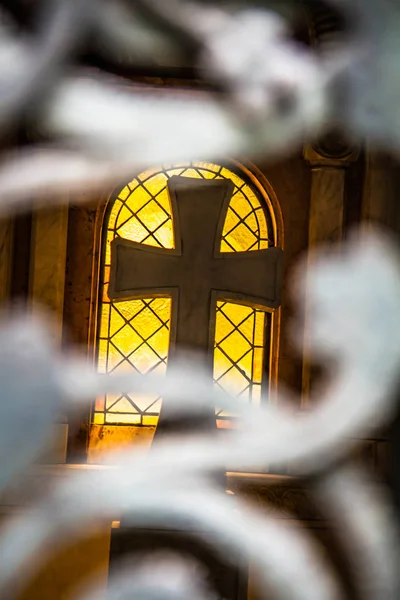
[195, 273]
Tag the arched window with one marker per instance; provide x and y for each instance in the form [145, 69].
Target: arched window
[135, 334]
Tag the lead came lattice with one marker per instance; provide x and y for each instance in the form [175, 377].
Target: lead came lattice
[134, 334]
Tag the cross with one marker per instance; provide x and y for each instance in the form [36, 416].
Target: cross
[195, 273]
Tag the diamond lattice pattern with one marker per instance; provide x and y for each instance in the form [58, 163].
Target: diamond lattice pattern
[134, 335]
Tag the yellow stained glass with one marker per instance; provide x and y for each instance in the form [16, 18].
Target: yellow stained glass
[98, 418]
[194, 173]
[124, 193]
[239, 352]
[124, 216]
[134, 335]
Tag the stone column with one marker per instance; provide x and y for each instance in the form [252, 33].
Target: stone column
[47, 282]
[380, 194]
[328, 160]
[48, 261]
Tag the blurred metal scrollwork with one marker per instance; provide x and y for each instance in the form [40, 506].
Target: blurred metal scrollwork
[64, 89]
[170, 488]
[68, 122]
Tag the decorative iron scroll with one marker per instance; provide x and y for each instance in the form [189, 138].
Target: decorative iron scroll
[65, 65]
[356, 328]
[76, 125]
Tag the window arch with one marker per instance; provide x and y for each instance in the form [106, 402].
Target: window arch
[135, 334]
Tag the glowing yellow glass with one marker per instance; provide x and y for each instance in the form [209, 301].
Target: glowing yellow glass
[134, 335]
[238, 352]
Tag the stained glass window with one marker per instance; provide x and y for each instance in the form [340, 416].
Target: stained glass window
[238, 352]
[135, 334]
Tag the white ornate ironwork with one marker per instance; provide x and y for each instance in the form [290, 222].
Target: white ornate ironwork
[168, 487]
[270, 94]
[87, 131]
